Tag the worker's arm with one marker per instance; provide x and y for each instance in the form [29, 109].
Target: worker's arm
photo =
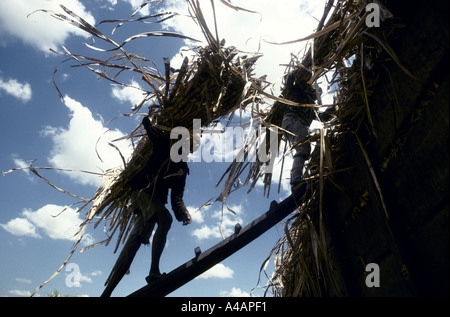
[177, 184]
[158, 137]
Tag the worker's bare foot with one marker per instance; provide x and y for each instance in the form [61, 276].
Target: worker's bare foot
[153, 277]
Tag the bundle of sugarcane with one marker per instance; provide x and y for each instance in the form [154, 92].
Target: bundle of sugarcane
[213, 86]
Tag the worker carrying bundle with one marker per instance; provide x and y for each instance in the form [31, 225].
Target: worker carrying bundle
[149, 195]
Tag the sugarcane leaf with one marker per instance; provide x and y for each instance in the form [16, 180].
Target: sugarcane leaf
[156, 34]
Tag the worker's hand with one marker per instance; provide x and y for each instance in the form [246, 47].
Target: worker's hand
[182, 216]
[187, 221]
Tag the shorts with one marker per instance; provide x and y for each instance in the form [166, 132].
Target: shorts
[144, 209]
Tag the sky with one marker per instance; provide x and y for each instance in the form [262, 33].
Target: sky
[73, 133]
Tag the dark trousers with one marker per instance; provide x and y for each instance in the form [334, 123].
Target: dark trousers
[299, 130]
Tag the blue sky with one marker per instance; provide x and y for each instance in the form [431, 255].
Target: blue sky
[37, 125]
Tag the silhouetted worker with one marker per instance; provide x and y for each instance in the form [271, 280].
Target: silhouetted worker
[297, 120]
[148, 199]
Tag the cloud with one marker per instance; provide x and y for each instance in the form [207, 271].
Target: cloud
[21, 227]
[40, 30]
[197, 215]
[96, 273]
[20, 293]
[75, 278]
[206, 232]
[225, 222]
[224, 144]
[224, 147]
[20, 163]
[218, 147]
[76, 146]
[44, 222]
[84, 278]
[235, 292]
[135, 4]
[112, 2]
[131, 94]
[21, 91]
[277, 21]
[218, 271]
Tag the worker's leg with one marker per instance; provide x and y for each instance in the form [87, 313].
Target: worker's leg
[178, 184]
[164, 221]
[301, 154]
[127, 254]
[298, 131]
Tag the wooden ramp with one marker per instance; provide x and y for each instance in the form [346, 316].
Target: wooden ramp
[203, 261]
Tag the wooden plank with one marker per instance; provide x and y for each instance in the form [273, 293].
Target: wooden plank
[203, 261]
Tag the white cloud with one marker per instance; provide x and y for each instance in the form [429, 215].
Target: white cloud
[132, 93]
[45, 222]
[20, 163]
[206, 232]
[40, 30]
[235, 292]
[75, 147]
[96, 273]
[85, 279]
[135, 4]
[21, 227]
[218, 271]
[197, 215]
[277, 21]
[73, 268]
[21, 91]
[225, 222]
[20, 293]
[224, 147]
[62, 227]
